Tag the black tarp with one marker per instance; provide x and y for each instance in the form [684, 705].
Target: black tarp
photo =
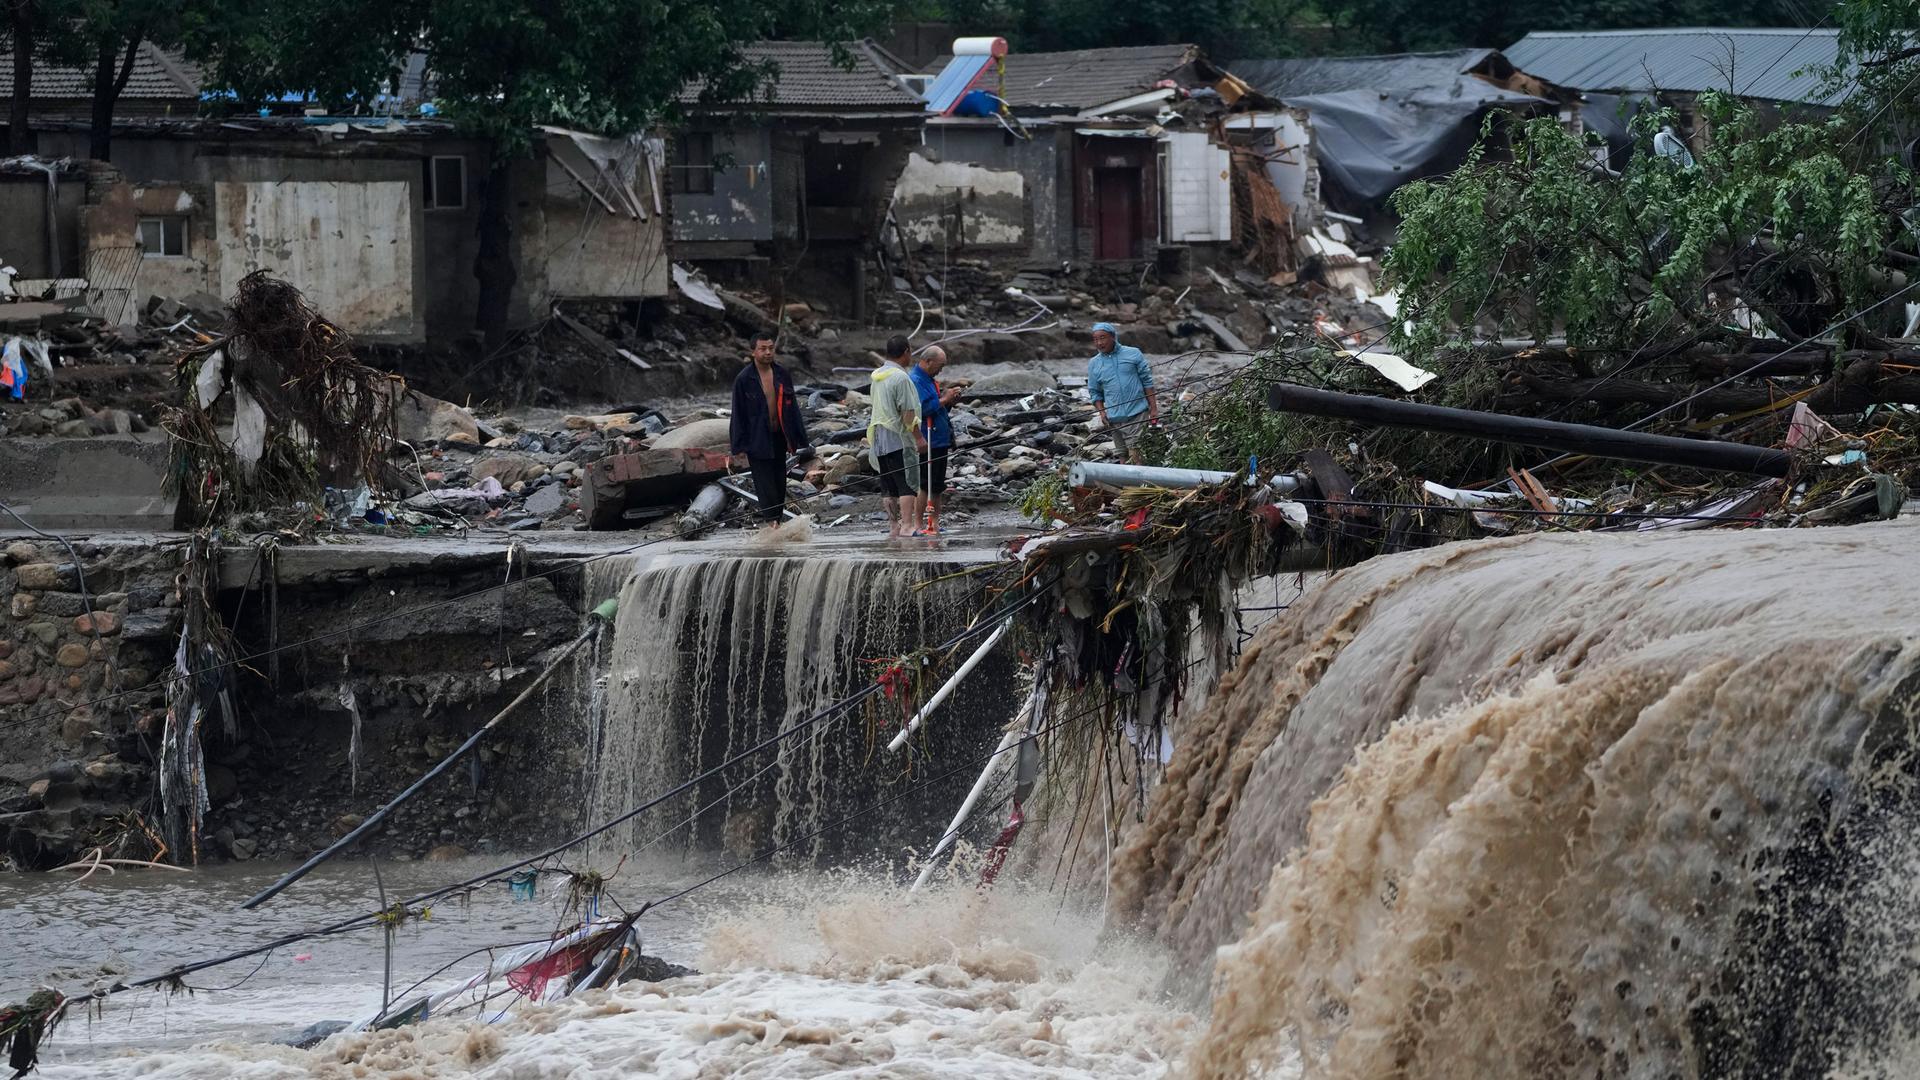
[1380, 121]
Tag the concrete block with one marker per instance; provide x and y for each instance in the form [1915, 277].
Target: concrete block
[97, 483]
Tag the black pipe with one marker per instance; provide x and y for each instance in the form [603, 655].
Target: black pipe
[1527, 431]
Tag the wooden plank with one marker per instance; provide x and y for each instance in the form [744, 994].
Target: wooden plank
[1535, 494]
[582, 181]
[1228, 339]
[593, 337]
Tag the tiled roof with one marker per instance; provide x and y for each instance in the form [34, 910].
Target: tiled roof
[1775, 64]
[1087, 77]
[809, 79]
[156, 77]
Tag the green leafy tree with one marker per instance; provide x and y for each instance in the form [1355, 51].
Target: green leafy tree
[1779, 217]
[1879, 61]
[22, 35]
[1364, 26]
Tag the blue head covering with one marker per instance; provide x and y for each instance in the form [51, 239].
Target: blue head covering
[1108, 327]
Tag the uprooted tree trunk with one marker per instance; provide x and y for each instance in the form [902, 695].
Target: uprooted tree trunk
[493, 267]
[112, 68]
[20, 25]
[306, 412]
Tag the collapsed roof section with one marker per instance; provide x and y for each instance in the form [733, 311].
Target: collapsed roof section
[1381, 121]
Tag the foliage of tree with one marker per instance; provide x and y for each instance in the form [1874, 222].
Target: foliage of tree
[1373, 26]
[108, 35]
[1224, 28]
[23, 23]
[1781, 217]
[1879, 62]
[1231, 29]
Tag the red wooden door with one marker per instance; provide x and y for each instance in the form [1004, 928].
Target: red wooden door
[1116, 208]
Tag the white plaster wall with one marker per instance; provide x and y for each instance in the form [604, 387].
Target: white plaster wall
[1199, 189]
[992, 203]
[349, 246]
[589, 252]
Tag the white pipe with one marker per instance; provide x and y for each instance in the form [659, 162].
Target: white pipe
[966, 805]
[940, 695]
[1117, 474]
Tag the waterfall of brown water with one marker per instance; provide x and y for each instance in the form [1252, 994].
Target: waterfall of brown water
[711, 657]
[1584, 805]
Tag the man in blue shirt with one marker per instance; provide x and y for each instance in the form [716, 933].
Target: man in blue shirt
[935, 400]
[1121, 386]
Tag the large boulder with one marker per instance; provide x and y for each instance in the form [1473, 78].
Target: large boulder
[422, 419]
[700, 435]
[1007, 379]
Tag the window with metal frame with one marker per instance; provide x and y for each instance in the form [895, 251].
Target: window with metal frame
[446, 183]
[163, 236]
[692, 170]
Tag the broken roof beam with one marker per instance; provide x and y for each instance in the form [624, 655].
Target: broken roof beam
[581, 180]
[1527, 431]
[1128, 104]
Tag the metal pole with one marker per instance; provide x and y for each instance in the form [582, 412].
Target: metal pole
[966, 804]
[1527, 431]
[941, 694]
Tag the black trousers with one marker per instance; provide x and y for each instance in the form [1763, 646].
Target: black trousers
[770, 486]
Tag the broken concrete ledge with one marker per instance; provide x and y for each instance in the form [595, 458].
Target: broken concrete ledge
[93, 483]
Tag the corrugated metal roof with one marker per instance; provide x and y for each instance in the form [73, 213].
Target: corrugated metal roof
[809, 78]
[1087, 77]
[155, 77]
[1333, 74]
[1772, 64]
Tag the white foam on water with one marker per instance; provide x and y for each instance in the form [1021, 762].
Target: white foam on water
[816, 975]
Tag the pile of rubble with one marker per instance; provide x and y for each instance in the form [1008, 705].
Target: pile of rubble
[65, 371]
[1054, 307]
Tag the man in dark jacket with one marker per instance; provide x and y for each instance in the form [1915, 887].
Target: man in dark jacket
[767, 426]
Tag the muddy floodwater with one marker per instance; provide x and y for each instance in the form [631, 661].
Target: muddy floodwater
[801, 975]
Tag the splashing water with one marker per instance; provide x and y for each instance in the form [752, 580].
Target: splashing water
[1559, 806]
[817, 975]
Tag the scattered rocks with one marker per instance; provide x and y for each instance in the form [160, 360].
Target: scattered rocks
[420, 419]
[548, 500]
[45, 576]
[72, 655]
[104, 623]
[446, 853]
[62, 605]
[509, 469]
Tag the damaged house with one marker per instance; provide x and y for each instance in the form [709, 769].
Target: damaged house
[1381, 121]
[376, 217]
[788, 190]
[1096, 155]
[1618, 73]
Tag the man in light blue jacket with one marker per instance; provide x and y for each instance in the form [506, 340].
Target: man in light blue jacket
[1121, 386]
